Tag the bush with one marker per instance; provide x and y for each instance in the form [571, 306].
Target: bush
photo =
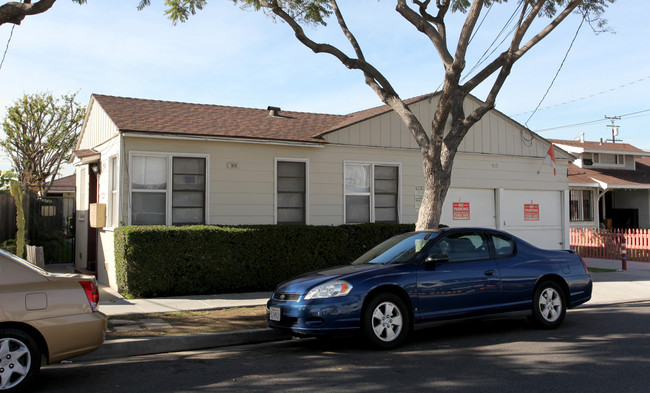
[172, 261]
[9, 245]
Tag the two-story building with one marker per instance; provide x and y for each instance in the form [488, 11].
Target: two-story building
[609, 184]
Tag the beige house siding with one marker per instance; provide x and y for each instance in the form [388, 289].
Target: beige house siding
[97, 128]
[493, 134]
[242, 176]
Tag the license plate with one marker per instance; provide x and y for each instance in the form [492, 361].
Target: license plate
[275, 314]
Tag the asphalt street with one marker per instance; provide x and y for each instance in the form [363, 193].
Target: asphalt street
[598, 349]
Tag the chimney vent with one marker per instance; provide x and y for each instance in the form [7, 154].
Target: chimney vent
[273, 111]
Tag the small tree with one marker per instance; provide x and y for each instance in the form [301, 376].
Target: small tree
[21, 237]
[6, 177]
[40, 133]
[438, 142]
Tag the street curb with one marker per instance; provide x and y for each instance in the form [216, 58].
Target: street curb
[126, 347]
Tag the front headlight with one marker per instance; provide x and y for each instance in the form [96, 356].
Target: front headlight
[330, 289]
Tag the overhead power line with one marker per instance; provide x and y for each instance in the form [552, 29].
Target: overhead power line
[558, 71]
[7, 47]
[603, 120]
[627, 84]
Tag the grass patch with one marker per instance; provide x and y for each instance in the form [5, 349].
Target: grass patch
[601, 270]
[192, 322]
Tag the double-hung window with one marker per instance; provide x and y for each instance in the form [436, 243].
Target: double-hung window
[291, 192]
[371, 193]
[168, 190]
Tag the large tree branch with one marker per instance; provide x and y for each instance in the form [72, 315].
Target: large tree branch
[466, 34]
[437, 37]
[373, 77]
[14, 12]
[513, 54]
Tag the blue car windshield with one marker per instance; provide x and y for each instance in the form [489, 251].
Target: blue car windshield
[398, 249]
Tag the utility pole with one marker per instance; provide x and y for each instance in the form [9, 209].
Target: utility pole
[614, 127]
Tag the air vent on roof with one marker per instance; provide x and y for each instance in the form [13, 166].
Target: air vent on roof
[273, 111]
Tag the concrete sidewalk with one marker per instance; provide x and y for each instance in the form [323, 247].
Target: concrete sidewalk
[632, 285]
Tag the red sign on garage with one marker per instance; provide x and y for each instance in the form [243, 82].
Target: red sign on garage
[461, 211]
[531, 211]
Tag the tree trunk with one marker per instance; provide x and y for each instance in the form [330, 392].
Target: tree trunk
[438, 161]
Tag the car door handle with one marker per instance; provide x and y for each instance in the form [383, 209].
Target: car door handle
[489, 272]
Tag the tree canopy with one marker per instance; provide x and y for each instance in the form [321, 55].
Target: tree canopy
[41, 132]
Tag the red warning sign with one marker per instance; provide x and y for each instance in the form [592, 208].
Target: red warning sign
[461, 211]
[531, 211]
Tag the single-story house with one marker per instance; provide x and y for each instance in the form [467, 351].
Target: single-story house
[155, 162]
[609, 184]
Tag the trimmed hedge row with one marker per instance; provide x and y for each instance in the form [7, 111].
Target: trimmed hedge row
[173, 261]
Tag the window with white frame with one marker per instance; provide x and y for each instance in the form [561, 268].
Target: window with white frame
[291, 188]
[581, 205]
[113, 189]
[167, 190]
[609, 159]
[371, 193]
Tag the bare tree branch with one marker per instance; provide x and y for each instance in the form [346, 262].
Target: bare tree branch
[15, 12]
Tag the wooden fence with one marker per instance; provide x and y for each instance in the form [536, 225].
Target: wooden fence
[7, 217]
[606, 243]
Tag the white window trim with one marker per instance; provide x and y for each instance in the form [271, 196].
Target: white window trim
[114, 195]
[373, 164]
[275, 186]
[581, 208]
[83, 193]
[168, 205]
[620, 160]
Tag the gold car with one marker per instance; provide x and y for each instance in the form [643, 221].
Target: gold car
[44, 317]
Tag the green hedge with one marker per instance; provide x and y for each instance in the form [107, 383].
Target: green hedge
[172, 261]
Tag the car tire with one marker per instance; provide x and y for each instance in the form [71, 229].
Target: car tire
[386, 321]
[549, 305]
[20, 360]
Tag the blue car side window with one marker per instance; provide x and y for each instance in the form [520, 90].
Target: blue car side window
[462, 247]
[503, 246]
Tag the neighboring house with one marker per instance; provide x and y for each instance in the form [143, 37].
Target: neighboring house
[64, 190]
[609, 184]
[154, 162]
[63, 186]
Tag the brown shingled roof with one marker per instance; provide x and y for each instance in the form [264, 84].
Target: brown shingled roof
[165, 117]
[597, 146]
[614, 178]
[64, 184]
[366, 114]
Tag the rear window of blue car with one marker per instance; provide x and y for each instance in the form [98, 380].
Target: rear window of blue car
[398, 249]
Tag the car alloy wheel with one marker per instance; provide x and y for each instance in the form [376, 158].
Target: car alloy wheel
[548, 305]
[20, 360]
[386, 321]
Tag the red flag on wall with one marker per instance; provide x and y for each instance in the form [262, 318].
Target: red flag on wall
[550, 159]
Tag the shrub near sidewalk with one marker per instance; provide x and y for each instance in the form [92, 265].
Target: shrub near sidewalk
[172, 261]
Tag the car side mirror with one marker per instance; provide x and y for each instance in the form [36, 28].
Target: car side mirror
[436, 259]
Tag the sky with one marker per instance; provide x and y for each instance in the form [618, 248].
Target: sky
[224, 55]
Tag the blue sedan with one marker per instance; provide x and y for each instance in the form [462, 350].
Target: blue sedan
[419, 279]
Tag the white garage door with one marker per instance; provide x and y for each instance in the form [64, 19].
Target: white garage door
[469, 208]
[535, 216]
